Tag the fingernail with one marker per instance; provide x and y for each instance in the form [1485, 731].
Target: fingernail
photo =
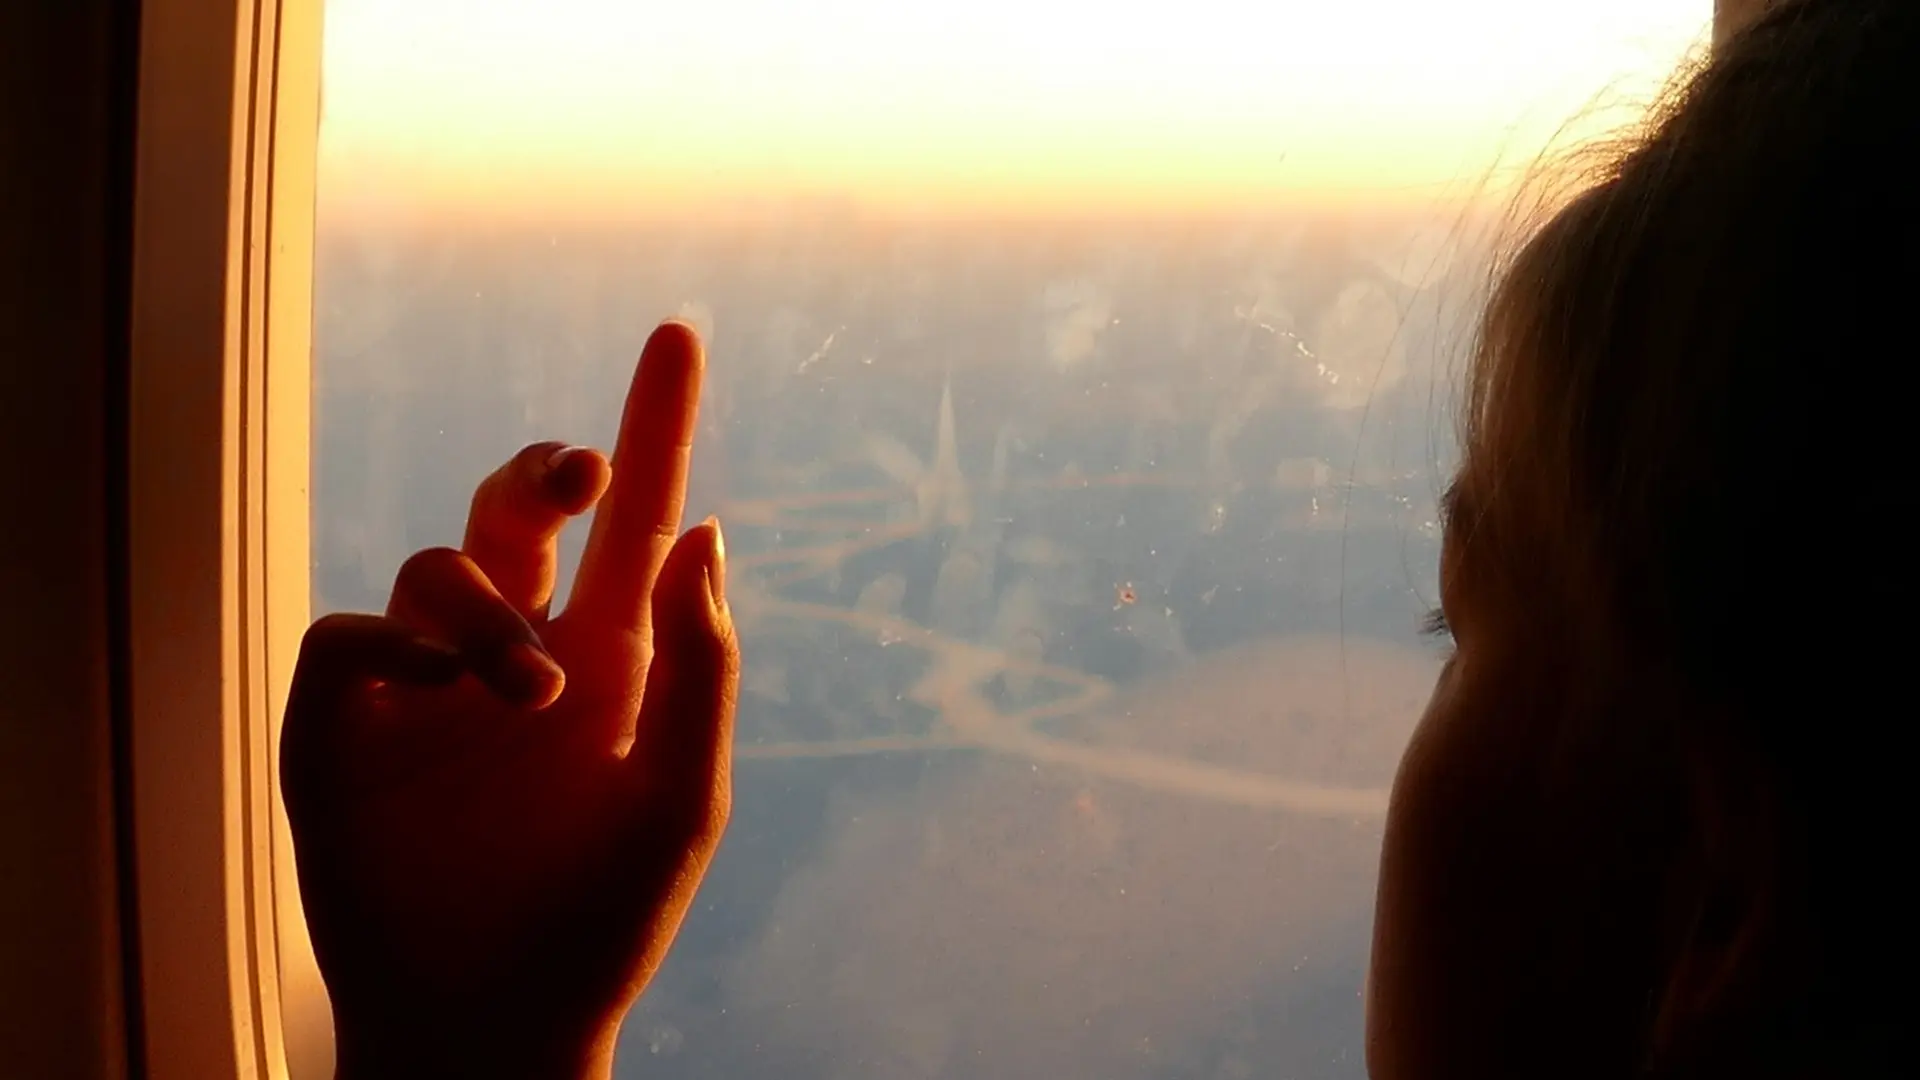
[437, 648]
[717, 564]
[441, 662]
[560, 456]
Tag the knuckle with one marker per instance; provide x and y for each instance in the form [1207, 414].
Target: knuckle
[329, 634]
[487, 496]
[330, 626]
[426, 565]
[496, 497]
[511, 502]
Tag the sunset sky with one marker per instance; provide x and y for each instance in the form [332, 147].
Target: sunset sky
[605, 105]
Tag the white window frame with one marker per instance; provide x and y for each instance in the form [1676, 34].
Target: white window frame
[228, 126]
[220, 411]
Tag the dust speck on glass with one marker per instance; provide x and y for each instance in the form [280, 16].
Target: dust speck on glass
[1078, 404]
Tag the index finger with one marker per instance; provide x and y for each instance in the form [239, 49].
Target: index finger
[639, 516]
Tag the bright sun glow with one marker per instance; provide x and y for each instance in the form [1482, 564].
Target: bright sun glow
[614, 106]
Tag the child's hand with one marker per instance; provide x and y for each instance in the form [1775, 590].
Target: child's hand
[500, 817]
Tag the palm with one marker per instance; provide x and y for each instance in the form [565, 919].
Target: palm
[514, 834]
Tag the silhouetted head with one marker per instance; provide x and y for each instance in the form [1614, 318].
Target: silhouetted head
[1671, 541]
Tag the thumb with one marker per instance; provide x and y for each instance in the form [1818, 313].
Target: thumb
[682, 754]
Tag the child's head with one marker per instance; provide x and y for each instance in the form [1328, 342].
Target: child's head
[1675, 504]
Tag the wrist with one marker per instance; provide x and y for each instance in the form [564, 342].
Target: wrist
[430, 1052]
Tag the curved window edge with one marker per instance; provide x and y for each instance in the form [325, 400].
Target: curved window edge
[218, 407]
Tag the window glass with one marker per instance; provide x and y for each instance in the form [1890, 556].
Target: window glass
[1078, 404]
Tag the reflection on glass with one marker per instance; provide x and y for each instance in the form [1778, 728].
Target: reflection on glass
[1077, 412]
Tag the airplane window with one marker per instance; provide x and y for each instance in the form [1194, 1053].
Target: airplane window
[1077, 409]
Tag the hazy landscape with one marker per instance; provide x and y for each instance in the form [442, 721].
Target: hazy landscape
[1078, 568]
[1079, 396]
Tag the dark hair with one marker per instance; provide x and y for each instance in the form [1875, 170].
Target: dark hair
[1678, 433]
